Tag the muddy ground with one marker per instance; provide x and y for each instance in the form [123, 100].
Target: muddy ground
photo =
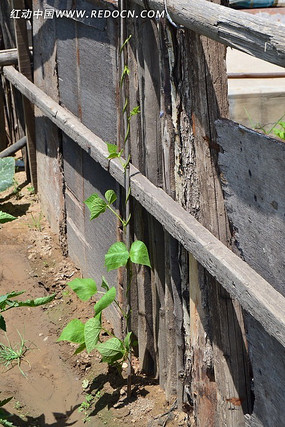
[59, 388]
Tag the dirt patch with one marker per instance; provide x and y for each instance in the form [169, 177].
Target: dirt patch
[60, 388]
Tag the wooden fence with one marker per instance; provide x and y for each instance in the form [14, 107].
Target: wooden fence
[210, 315]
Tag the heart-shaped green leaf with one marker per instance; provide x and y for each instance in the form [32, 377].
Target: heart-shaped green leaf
[84, 288]
[110, 196]
[92, 331]
[96, 205]
[111, 350]
[117, 256]
[105, 301]
[73, 332]
[139, 253]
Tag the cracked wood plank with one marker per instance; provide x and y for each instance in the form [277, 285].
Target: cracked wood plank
[250, 34]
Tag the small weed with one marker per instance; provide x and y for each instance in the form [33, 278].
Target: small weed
[85, 407]
[36, 222]
[18, 405]
[280, 132]
[17, 190]
[66, 293]
[31, 189]
[9, 354]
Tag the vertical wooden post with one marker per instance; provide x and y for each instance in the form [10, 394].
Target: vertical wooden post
[24, 62]
[219, 371]
[3, 136]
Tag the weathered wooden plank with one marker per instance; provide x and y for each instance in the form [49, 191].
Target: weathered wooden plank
[24, 63]
[3, 136]
[203, 98]
[256, 295]
[205, 395]
[68, 66]
[7, 25]
[13, 99]
[250, 34]
[48, 137]
[80, 76]
[268, 365]
[98, 101]
[144, 140]
[253, 177]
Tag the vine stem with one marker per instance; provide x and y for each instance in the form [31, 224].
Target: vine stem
[127, 189]
[116, 214]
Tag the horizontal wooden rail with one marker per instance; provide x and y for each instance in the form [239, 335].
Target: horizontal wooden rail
[9, 57]
[251, 34]
[256, 295]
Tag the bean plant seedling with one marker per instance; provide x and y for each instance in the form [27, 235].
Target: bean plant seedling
[88, 335]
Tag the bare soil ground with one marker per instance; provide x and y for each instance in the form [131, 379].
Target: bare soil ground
[51, 392]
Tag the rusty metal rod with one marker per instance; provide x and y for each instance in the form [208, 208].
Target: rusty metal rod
[256, 75]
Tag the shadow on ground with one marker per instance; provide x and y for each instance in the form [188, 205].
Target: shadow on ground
[117, 382]
[61, 419]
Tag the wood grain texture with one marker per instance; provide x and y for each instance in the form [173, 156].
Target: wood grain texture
[7, 25]
[3, 136]
[48, 136]
[24, 63]
[163, 342]
[218, 371]
[252, 167]
[144, 137]
[257, 37]
[253, 179]
[253, 292]
[8, 57]
[80, 77]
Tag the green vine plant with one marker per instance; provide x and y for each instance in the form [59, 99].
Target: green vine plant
[88, 336]
[112, 148]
